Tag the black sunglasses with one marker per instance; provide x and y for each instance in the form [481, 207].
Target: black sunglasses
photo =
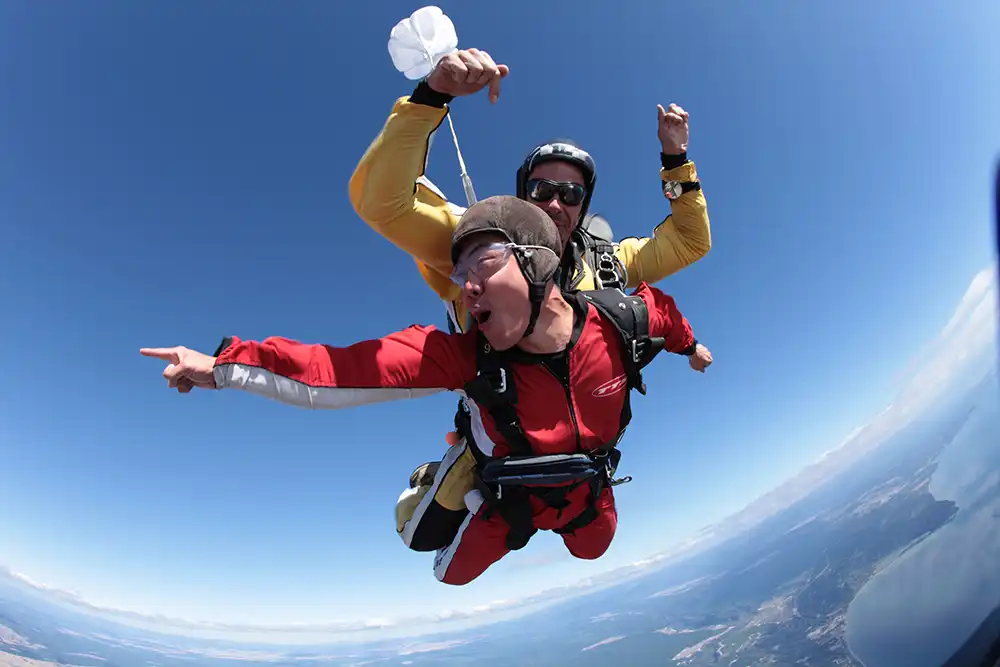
[543, 190]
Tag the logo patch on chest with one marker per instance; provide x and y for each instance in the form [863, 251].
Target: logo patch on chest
[611, 387]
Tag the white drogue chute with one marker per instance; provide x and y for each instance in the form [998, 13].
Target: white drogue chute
[416, 44]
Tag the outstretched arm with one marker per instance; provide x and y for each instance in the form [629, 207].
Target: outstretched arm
[417, 361]
[667, 321]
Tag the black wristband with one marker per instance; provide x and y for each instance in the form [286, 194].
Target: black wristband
[226, 342]
[690, 349]
[427, 96]
[673, 161]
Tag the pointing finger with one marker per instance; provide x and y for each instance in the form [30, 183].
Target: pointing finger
[171, 354]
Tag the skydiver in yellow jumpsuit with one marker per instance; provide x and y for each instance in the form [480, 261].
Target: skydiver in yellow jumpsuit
[390, 192]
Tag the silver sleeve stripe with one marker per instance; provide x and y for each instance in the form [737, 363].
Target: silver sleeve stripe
[263, 382]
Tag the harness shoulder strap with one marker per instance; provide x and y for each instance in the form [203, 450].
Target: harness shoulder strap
[493, 389]
[631, 317]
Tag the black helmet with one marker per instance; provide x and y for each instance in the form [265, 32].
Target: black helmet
[566, 151]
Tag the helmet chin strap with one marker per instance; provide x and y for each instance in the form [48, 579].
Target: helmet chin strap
[536, 294]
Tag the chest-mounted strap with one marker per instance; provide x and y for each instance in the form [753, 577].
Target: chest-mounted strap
[599, 253]
[496, 393]
[631, 317]
[597, 241]
[609, 269]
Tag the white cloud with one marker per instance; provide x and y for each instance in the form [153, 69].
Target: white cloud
[965, 351]
[980, 294]
[603, 642]
[319, 632]
[430, 647]
[27, 580]
[965, 348]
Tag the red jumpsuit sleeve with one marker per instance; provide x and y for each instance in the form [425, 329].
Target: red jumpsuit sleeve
[665, 319]
[417, 361]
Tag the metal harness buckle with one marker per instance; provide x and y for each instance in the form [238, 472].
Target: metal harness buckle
[606, 268]
[503, 381]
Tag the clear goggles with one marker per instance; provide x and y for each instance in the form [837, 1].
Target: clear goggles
[487, 259]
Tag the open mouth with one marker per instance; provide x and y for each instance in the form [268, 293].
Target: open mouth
[483, 316]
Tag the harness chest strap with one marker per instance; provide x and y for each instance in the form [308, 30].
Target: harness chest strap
[599, 254]
[608, 269]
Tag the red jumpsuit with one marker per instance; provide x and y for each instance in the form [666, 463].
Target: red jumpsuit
[557, 417]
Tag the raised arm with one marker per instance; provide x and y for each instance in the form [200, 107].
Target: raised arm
[684, 236]
[417, 361]
[389, 193]
[388, 189]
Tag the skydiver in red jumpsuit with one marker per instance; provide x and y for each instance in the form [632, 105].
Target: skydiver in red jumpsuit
[542, 419]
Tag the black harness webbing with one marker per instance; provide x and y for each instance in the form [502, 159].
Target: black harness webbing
[508, 482]
[600, 256]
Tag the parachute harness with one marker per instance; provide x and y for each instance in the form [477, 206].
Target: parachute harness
[507, 483]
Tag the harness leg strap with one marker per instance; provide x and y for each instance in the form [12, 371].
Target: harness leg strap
[513, 506]
[589, 513]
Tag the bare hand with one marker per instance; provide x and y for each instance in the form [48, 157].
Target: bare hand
[467, 71]
[672, 129]
[187, 368]
[701, 359]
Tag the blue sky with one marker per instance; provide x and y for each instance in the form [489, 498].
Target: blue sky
[173, 173]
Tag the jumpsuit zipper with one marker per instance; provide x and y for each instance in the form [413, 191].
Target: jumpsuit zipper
[564, 381]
